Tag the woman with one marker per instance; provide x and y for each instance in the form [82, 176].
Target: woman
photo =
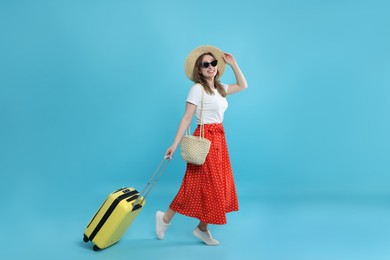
[208, 191]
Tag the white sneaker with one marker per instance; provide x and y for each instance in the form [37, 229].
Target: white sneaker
[161, 227]
[205, 236]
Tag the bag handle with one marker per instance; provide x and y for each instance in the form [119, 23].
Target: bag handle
[188, 131]
[201, 116]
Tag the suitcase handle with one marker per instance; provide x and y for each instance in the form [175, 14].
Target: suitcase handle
[152, 182]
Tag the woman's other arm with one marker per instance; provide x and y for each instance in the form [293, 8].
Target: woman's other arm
[184, 123]
[241, 83]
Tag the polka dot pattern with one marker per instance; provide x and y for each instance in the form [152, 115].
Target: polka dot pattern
[208, 191]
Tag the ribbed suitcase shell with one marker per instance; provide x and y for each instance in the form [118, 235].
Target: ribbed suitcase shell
[113, 218]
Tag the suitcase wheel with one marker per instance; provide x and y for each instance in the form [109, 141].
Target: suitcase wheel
[85, 239]
[96, 248]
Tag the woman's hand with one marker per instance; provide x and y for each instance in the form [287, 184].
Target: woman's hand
[170, 151]
[229, 58]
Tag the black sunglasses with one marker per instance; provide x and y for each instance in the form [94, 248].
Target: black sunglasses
[207, 64]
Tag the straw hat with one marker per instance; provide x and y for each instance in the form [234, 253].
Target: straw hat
[194, 55]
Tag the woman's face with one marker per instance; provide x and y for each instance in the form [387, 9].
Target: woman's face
[210, 71]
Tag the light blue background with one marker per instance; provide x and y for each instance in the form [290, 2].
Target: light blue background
[91, 94]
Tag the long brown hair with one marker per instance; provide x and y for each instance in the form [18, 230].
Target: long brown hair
[199, 78]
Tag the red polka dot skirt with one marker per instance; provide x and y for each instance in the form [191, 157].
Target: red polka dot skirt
[208, 191]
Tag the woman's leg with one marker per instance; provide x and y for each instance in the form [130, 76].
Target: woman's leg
[168, 215]
[203, 226]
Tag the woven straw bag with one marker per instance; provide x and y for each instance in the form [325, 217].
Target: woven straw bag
[194, 149]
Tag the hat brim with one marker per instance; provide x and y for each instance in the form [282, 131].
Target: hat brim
[194, 55]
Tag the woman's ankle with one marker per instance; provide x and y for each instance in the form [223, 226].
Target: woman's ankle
[203, 227]
[168, 215]
[165, 219]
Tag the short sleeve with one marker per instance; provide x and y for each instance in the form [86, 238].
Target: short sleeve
[195, 95]
[226, 87]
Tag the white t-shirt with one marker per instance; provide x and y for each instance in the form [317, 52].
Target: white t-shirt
[214, 106]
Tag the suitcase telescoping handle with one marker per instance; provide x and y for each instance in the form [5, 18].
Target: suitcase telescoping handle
[153, 180]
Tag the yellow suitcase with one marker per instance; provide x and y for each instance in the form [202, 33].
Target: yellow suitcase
[118, 212]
